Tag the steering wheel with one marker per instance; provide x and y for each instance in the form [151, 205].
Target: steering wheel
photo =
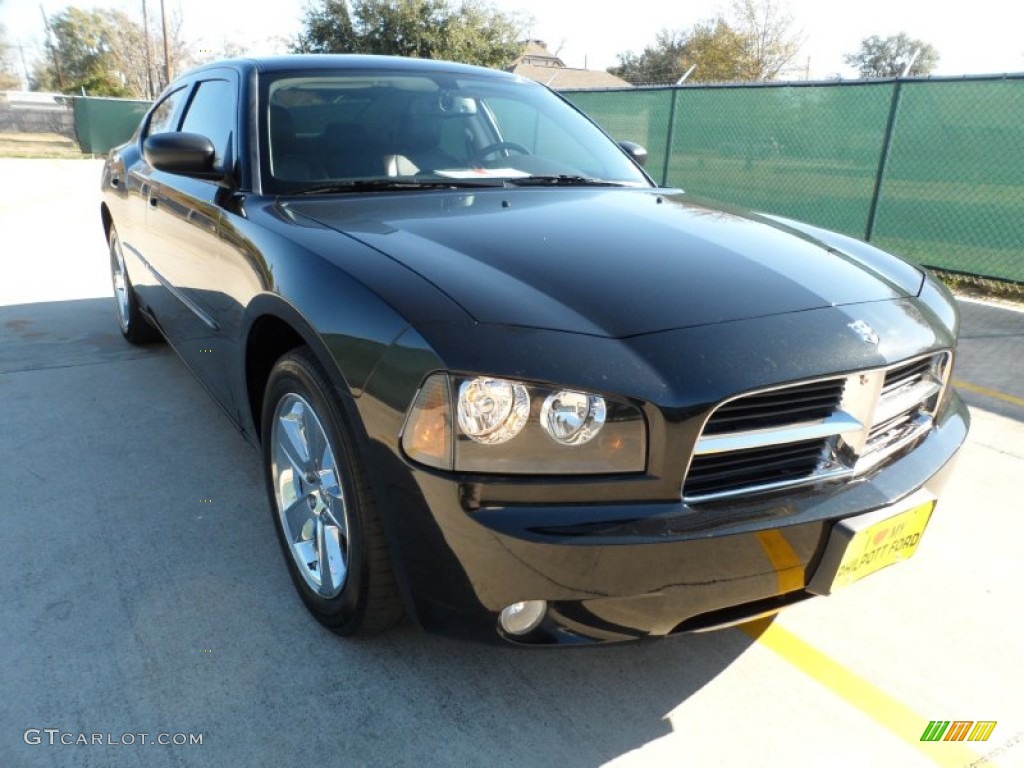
[492, 148]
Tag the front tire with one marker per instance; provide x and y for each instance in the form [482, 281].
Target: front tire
[134, 325]
[322, 504]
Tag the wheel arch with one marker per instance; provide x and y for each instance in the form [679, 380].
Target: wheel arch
[272, 328]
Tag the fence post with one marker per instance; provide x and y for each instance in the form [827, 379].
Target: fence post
[883, 158]
[669, 136]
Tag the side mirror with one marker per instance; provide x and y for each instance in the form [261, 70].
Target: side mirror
[634, 150]
[186, 154]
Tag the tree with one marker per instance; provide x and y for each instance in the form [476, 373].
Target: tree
[104, 52]
[8, 72]
[84, 44]
[770, 41]
[131, 54]
[327, 28]
[471, 31]
[659, 63]
[755, 42]
[889, 56]
[228, 49]
[720, 52]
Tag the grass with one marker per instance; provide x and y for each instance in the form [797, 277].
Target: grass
[973, 287]
[39, 145]
[957, 224]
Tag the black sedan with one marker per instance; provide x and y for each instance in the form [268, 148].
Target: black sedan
[502, 382]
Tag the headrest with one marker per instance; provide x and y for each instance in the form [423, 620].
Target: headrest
[282, 127]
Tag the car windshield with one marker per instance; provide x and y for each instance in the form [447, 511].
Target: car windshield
[362, 130]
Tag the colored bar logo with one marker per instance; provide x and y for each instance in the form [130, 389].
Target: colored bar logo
[958, 730]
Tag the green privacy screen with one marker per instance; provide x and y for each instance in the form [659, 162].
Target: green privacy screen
[643, 116]
[953, 191]
[806, 152]
[104, 123]
[930, 169]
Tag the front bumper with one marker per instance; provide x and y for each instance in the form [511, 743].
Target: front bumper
[623, 569]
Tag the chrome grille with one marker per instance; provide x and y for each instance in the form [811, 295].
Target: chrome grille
[908, 400]
[907, 372]
[804, 402]
[815, 430]
[721, 472]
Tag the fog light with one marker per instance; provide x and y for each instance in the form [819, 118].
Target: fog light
[520, 618]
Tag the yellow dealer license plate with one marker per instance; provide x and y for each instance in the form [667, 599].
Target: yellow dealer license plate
[859, 546]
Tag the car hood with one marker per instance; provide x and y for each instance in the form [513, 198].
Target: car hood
[602, 261]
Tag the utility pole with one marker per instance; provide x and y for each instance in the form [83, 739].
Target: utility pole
[24, 66]
[51, 39]
[167, 45]
[149, 53]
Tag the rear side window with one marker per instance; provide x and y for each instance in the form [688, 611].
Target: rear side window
[162, 119]
[211, 113]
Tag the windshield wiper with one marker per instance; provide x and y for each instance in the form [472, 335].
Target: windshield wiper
[388, 185]
[562, 180]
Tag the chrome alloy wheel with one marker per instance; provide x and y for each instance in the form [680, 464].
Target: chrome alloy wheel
[119, 276]
[309, 497]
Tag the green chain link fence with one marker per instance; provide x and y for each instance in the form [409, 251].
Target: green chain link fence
[931, 169]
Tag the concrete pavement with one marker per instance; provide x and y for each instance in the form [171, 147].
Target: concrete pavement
[142, 590]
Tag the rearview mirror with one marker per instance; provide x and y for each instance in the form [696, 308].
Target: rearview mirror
[634, 150]
[186, 154]
[443, 104]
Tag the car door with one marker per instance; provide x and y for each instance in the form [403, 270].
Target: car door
[186, 251]
[132, 197]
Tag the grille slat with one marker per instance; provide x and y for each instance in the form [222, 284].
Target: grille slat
[895, 421]
[760, 472]
[784, 415]
[906, 374]
[721, 461]
[792, 405]
[716, 473]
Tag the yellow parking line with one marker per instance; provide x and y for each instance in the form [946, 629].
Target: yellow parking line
[789, 568]
[896, 717]
[979, 390]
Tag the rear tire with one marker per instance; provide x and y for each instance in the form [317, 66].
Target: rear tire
[135, 327]
[322, 502]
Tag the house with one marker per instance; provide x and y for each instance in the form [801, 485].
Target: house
[538, 63]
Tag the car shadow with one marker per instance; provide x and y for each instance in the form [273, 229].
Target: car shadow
[62, 334]
[142, 589]
[158, 600]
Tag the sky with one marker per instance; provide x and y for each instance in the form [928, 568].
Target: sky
[979, 37]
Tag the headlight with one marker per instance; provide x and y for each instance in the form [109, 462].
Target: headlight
[572, 418]
[492, 410]
[516, 427]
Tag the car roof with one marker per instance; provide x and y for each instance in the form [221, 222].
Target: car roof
[346, 61]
